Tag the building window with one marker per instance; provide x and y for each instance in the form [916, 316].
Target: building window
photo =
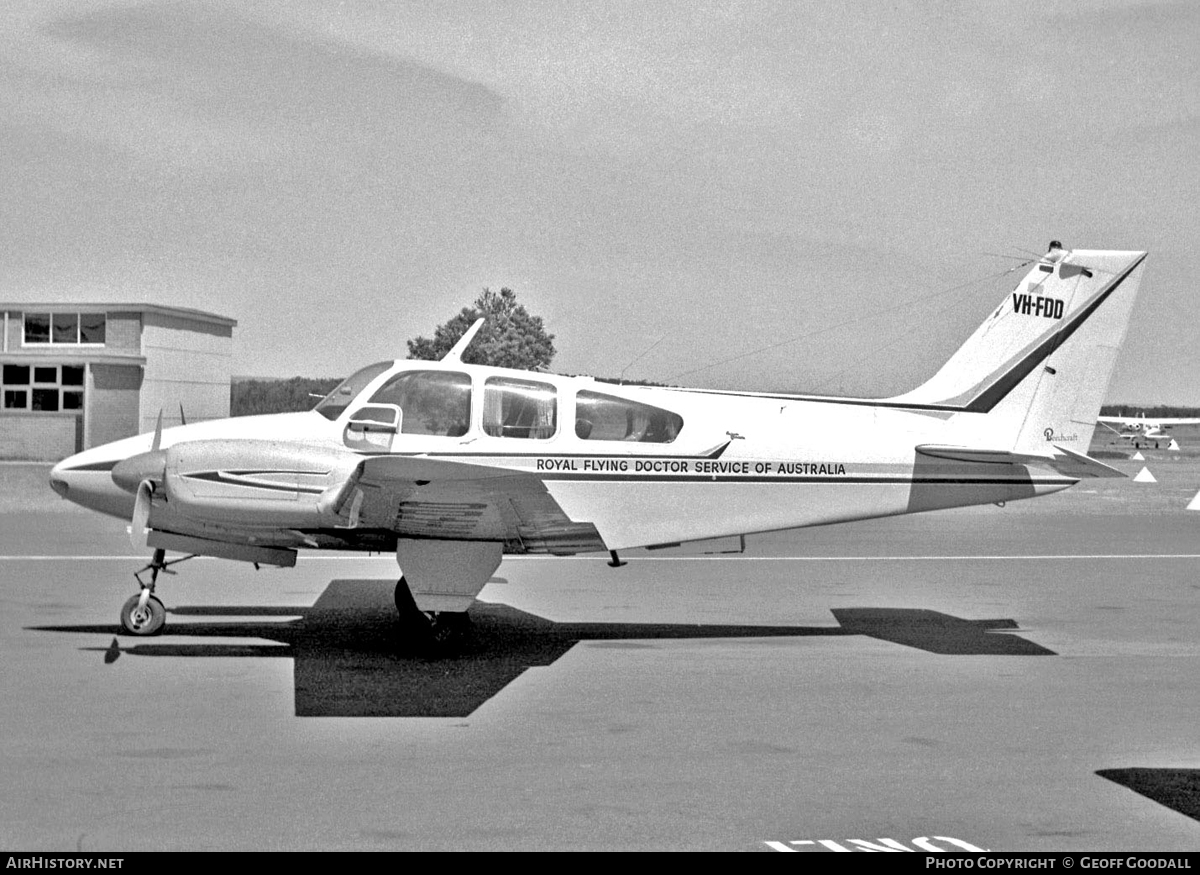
[45, 388]
[65, 329]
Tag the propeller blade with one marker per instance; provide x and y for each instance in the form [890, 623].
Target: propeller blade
[182, 418]
[157, 433]
[138, 529]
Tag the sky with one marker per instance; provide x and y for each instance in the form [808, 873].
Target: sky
[782, 196]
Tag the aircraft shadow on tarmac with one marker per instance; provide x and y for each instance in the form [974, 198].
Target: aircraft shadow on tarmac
[1177, 789]
[349, 661]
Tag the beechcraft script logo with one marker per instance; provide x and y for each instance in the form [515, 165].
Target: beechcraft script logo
[1052, 435]
[1035, 305]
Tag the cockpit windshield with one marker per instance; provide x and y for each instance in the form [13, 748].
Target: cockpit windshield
[339, 399]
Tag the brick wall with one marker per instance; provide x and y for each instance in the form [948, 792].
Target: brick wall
[123, 332]
[189, 362]
[40, 437]
[113, 392]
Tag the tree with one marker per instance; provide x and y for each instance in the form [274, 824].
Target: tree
[248, 397]
[510, 338]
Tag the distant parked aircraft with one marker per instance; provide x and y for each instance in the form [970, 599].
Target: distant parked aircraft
[1141, 430]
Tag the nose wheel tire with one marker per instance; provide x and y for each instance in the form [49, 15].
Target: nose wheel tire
[142, 620]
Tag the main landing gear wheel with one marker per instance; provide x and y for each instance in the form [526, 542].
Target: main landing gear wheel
[143, 619]
[439, 633]
[448, 630]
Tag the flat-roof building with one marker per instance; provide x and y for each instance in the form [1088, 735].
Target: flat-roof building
[74, 376]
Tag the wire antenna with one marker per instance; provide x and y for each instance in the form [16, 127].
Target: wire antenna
[921, 300]
[645, 352]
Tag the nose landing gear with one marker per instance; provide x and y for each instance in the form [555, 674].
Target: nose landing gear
[143, 614]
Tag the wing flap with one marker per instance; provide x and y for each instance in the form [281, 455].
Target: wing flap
[419, 496]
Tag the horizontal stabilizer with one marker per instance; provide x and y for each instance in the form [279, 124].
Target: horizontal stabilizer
[1080, 465]
[1071, 463]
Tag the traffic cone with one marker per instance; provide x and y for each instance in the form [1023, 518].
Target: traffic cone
[1144, 476]
[1195, 503]
[1137, 457]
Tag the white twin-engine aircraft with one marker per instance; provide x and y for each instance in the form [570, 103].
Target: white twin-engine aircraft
[452, 465]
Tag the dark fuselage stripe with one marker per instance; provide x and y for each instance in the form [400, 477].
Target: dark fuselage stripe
[218, 477]
[722, 478]
[94, 466]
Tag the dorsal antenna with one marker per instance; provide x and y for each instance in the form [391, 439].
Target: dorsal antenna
[456, 351]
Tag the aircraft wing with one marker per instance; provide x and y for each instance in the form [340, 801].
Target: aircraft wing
[1158, 420]
[425, 497]
[1071, 463]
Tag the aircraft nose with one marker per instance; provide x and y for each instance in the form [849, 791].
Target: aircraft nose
[144, 466]
[58, 479]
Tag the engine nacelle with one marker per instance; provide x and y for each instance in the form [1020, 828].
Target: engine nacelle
[258, 482]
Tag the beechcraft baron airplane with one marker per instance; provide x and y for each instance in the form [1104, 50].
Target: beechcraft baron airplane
[452, 465]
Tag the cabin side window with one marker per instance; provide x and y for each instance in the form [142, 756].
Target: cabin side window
[433, 402]
[601, 417]
[519, 408]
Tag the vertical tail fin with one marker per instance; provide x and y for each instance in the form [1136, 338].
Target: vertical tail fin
[1040, 364]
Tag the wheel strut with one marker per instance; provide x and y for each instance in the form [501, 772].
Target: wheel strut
[158, 562]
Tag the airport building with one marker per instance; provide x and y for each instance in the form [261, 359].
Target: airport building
[74, 376]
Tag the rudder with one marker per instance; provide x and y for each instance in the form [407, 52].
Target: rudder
[1039, 366]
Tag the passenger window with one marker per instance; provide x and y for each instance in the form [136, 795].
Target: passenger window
[519, 408]
[434, 402]
[607, 418]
